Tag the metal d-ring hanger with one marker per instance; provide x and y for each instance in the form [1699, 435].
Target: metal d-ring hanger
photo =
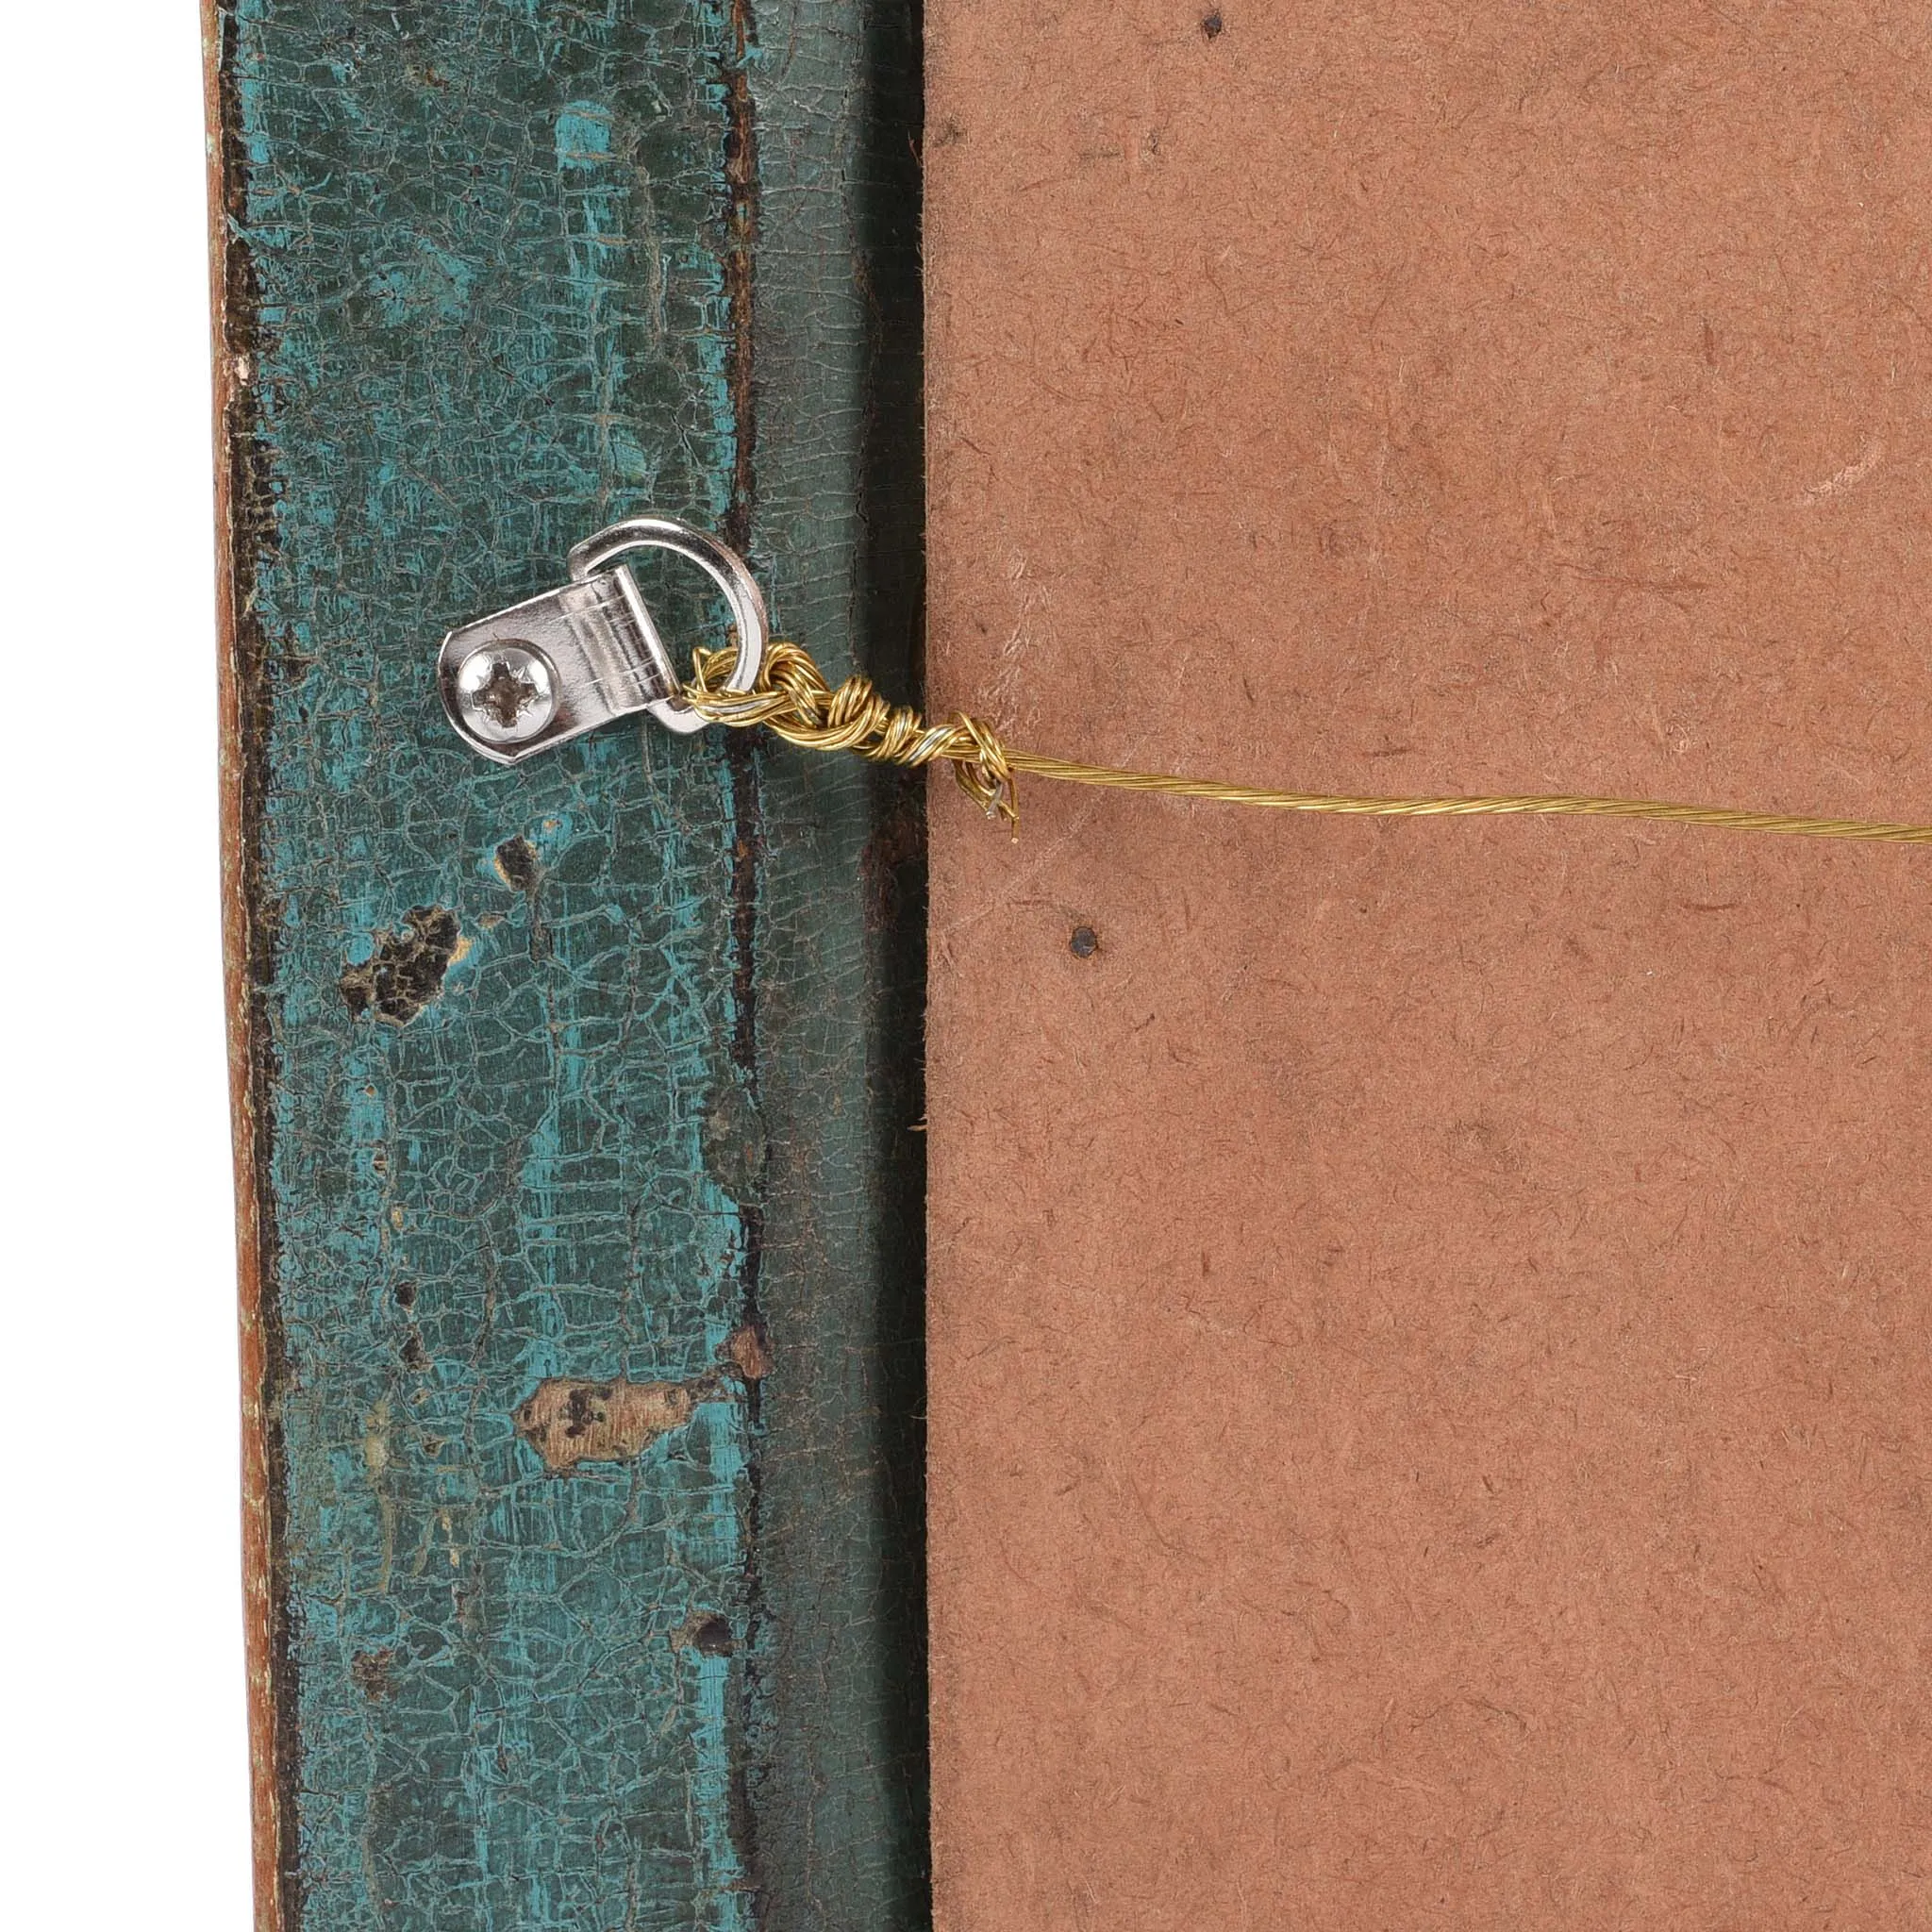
[561, 665]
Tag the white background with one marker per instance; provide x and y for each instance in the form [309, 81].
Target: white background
[123, 1753]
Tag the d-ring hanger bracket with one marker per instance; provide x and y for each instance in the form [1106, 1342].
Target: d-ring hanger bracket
[558, 665]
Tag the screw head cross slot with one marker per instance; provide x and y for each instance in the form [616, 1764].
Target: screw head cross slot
[507, 692]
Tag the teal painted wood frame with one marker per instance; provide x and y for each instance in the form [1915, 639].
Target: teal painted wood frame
[577, 1104]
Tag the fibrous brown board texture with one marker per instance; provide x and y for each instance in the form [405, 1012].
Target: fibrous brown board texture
[1430, 1321]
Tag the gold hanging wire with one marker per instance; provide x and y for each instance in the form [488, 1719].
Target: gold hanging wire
[792, 699]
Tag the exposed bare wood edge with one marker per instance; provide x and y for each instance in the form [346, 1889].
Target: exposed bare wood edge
[237, 834]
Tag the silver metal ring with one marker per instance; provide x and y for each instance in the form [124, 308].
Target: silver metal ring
[726, 568]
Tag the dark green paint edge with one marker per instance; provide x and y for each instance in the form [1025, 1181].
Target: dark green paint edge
[837, 337]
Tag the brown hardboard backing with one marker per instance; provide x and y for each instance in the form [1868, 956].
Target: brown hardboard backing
[1430, 1322]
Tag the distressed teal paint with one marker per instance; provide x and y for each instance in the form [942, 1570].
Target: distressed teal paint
[484, 248]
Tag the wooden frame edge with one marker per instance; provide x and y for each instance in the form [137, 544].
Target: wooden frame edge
[238, 813]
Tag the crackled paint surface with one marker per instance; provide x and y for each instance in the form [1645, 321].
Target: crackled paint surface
[595, 1072]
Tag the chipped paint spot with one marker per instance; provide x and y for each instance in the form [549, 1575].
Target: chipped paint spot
[569, 1422]
[405, 971]
[706, 1632]
[517, 864]
[749, 1351]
